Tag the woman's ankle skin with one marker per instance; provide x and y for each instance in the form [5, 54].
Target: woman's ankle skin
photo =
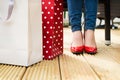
[77, 39]
[90, 38]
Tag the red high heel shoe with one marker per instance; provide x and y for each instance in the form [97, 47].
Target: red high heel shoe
[77, 50]
[90, 50]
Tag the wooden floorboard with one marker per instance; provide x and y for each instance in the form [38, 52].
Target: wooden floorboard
[106, 63]
[45, 70]
[9, 72]
[75, 68]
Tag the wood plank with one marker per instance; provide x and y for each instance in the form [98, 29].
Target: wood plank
[10, 72]
[105, 63]
[45, 70]
[75, 68]
[114, 48]
[114, 53]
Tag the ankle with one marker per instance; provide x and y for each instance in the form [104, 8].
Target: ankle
[90, 38]
[77, 38]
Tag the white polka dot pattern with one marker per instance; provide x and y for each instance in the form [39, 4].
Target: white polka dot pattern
[52, 17]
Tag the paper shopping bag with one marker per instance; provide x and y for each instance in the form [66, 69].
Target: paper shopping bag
[52, 17]
[20, 32]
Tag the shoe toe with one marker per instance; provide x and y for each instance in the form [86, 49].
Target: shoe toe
[90, 50]
[77, 50]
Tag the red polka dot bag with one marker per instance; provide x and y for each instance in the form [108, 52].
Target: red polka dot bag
[52, 17]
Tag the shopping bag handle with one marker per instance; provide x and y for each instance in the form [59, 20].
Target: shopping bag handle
[10, 10]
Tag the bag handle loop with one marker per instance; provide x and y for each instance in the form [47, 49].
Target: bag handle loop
[10, 10]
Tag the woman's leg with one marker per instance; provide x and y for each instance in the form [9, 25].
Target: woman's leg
[90, 22]
[75, 13]
[90, 14]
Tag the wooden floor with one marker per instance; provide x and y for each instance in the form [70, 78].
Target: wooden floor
[105, 65]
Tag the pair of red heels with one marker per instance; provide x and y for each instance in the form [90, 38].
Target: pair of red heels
[80, 49]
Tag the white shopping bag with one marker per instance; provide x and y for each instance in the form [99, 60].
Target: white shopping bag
[20, 32]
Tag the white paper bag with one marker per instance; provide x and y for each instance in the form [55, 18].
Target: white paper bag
[20, 32]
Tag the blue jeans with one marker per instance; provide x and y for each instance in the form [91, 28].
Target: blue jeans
[75, 8]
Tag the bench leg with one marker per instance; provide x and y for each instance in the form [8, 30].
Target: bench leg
[107, 22]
